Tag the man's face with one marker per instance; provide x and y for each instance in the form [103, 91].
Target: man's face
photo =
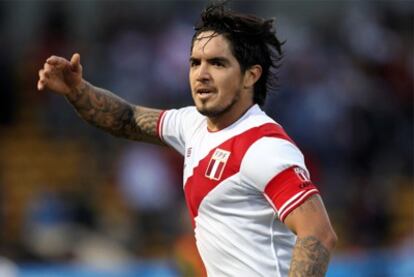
[215, 77]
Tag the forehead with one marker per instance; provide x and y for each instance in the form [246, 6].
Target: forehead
[210, 44]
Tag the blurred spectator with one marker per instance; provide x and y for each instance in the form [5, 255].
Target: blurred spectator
[149, 187]
[48, 234]
[130, 56]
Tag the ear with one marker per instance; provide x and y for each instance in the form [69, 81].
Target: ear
[251, 76]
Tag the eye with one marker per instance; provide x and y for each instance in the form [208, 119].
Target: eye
[194, 63]
[217, 63]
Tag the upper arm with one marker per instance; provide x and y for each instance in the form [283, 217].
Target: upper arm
[310, 219]
[146, 121]
[276, 167]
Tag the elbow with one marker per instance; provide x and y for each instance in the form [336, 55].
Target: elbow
[330, 239]
[326, 236]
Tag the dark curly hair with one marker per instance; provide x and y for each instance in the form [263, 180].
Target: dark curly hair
[252, 41]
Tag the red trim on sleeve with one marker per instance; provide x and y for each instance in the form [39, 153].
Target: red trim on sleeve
[289, 189]
[296, 203]
[160, 122]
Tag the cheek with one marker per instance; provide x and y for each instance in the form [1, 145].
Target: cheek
[232, 83]
[228, 80]
[190, 79]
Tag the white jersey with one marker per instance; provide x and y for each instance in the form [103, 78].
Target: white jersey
[240, 183]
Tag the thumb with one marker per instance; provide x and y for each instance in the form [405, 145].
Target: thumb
[75, 62]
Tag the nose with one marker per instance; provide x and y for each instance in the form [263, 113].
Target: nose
[203, 74]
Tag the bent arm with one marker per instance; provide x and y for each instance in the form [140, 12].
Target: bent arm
[316, 238]
[109, 112]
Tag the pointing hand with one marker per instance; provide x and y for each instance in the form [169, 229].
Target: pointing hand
[60, 75]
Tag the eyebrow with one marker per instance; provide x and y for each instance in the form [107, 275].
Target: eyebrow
[222, 60]
[192, 59]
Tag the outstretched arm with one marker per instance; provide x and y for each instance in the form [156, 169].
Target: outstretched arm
[97, 106]
[109, 112]
[315, 239]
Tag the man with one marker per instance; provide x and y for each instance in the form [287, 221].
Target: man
[254, 210]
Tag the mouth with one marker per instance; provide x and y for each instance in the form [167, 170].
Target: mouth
[204, 93]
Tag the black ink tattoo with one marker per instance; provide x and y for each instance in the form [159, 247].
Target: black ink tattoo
[107, 111]
[310, 258]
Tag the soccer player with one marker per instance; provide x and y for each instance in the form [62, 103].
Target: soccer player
[254, 209]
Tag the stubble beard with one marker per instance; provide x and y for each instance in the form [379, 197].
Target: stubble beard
[218, 110]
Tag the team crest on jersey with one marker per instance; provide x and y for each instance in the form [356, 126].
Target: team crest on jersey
[217, 164]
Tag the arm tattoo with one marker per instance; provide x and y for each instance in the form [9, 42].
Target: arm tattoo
[310, 258]
[107, 111]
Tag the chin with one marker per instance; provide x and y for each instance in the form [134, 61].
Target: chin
[213, 111]
[207, 112]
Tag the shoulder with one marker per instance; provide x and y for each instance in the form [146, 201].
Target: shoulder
[270, 141]
[190, 110]
[176, 125]
[175, 118]
[268, 156]
[278, 149]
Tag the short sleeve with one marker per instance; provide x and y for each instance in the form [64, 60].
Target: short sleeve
[174, 125]
[276, 167]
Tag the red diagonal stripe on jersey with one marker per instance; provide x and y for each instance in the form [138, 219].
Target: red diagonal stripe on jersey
[198, 185]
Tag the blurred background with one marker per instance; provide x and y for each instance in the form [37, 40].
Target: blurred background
[75, 201]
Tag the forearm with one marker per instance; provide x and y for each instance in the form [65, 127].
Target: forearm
[109, 112]
[310, 258]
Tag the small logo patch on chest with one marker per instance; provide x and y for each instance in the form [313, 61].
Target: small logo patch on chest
[217, 164]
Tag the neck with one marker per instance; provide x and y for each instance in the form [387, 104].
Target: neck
[222, 121]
